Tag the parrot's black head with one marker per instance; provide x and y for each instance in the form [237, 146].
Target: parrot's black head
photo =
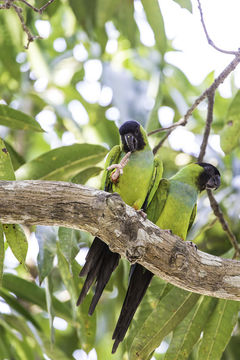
[131, 136]
[209, 178]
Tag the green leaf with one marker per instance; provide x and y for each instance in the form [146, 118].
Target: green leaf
[17, 160]
[124, 21]
[83, 176]
[49, 291]
[46, 237]
[6, 168]
[62, 163]
[155, 19]
[169, 312]
[189, 330]
[229, 136]
[85, 14]
[17, 241]
[17, 306]
[5, 350]
[68, 243]
[16, 119]
[87, 323]
[186, 4]
[218, 330]
[30, 292]
[67, 276]
[2, 253]
[153, 122]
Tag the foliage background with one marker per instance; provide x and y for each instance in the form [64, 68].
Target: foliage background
[87, 77]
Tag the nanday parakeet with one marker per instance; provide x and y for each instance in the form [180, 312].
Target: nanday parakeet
[173, 207]
[139, 180]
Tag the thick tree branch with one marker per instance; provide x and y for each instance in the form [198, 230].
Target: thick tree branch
[123, 229]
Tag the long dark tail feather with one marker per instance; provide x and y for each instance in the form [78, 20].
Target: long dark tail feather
[99, 265]
[109, 264]
[140, 279]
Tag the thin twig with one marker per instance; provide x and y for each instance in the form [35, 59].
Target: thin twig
[212, 88]
[172, 127]
[10, 4]
[219, 214]
[207, 126]
[159, 145]
[40, 10]
[211, 43]
[24, 26]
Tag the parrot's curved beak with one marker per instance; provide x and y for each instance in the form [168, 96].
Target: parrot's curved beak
[214, 182]
[131, 142]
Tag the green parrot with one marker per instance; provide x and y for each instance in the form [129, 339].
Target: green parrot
[173, 207]
[140, 179]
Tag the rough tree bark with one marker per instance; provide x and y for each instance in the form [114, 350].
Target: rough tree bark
[123, 229]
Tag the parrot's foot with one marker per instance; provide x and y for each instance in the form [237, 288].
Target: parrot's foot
[119, 167]
[142, 213]
[190, 243]
[168, 231]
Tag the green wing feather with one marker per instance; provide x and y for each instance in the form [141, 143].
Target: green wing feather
[192, 218]
[157, 175]
[112, 158]
[158, 202]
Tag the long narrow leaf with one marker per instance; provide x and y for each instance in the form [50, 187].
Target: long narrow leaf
[48, 290]
[218, 330]
[17, 241]
[189, 330]
[2, 253]
[6, 168]
[14, 304]
[16, 119]
[68, 243]
[168, 314]
[62, 163]
[155, 19]
[46, 237]
[30, 292]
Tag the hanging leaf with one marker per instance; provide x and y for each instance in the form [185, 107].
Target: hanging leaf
[87, 323]
[155, 19]
[218, 330]
[6, 168]
[17, 160]
[49, 291]
[68, 243]
[17, 241]
[169, 312]
[153, 122]
[16, 119]
[17, 306]
[62, 163]
[2, 253]
[230, 134]
[32, 293]
[186, 4]
[67, 276]
[188, 332]
[46, 237]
